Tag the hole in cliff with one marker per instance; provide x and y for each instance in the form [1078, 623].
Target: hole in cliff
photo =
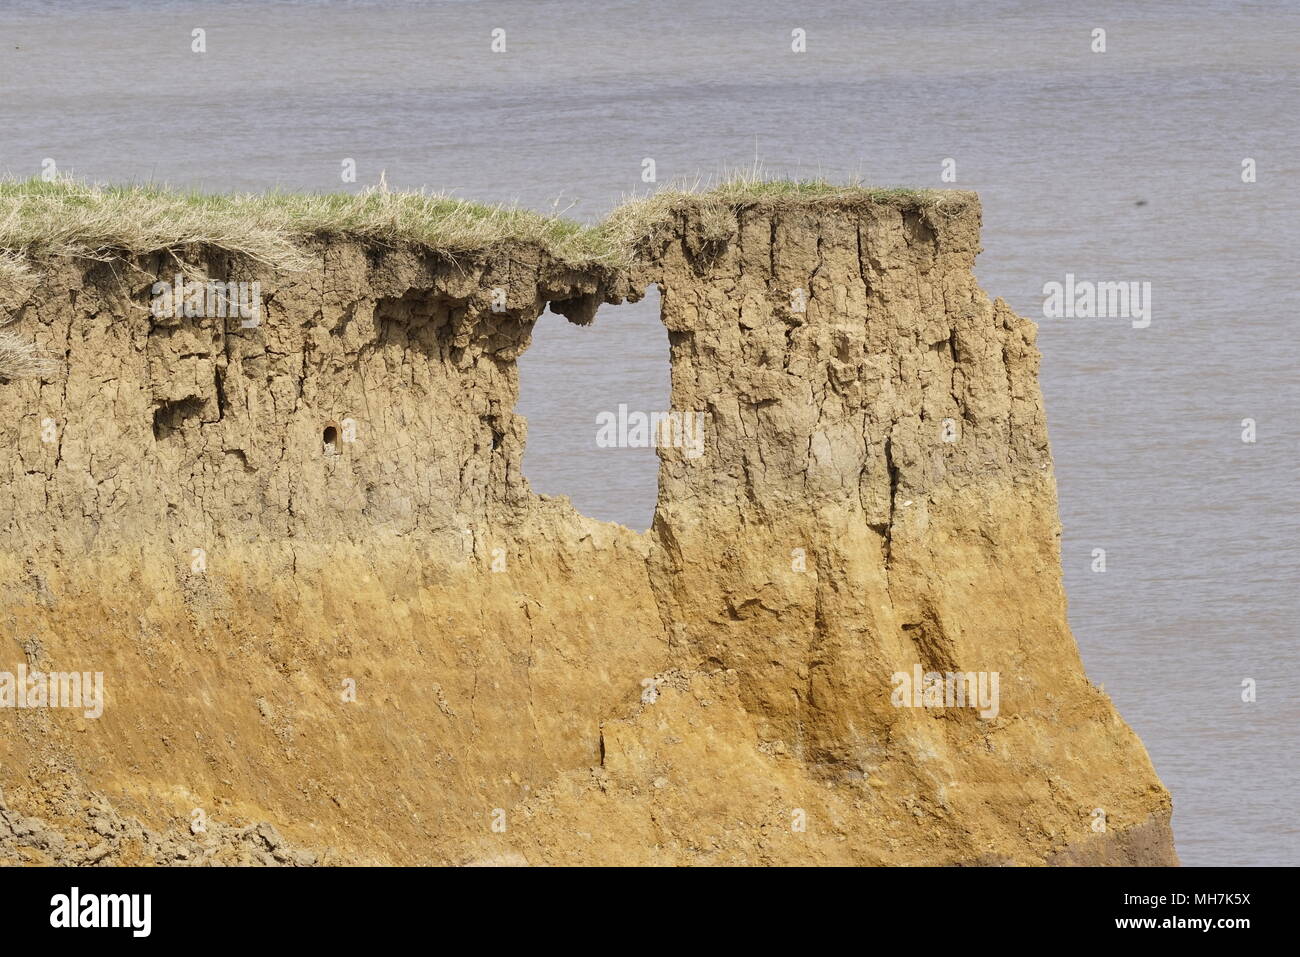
[175, 415]
[330, 439]
[583, 389]
[490, 423]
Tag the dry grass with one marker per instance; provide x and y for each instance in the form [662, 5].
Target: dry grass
[78, 219]
[13, 267]
[20, 359]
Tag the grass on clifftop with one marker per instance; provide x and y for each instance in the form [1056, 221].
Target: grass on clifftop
[67, 217]
[78, 219]
[72, 218]
[637, 220]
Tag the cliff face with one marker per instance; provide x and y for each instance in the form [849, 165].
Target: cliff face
[246, 528]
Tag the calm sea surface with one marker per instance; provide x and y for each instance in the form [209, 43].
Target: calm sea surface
[1121, 166]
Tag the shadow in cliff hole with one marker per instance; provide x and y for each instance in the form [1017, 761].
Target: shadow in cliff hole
[572, 375]
[174, 416]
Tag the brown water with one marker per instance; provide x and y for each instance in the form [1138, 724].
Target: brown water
[1115, 166]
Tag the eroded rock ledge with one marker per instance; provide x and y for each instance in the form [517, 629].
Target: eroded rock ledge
[875, 493]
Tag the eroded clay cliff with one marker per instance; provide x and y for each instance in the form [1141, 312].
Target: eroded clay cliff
[238, 525]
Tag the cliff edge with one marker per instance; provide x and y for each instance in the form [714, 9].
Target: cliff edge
[335, 624]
